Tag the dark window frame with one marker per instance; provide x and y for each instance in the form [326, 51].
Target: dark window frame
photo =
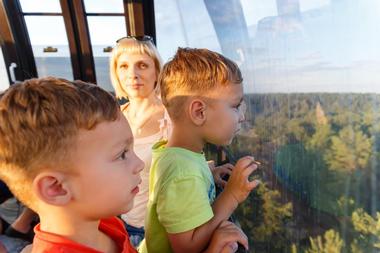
[15, 44]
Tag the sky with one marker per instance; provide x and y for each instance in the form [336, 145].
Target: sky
[330, 46]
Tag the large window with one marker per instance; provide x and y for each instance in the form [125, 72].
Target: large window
[50, 46]
[104, 32]
[312, 85]
[106, 23]
[48, 37]
[46, 6]
[92, 27]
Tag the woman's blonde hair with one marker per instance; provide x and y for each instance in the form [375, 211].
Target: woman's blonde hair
[132, 46]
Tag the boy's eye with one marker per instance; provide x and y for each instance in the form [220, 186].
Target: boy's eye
[123, 66]
[122, 155]
[241, 107]
[236, 107]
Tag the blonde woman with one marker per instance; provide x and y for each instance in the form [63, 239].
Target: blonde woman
[135, 65]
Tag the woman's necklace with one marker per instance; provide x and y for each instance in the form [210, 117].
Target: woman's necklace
[138, 123]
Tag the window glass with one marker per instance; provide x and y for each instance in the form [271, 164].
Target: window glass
[50, 46]
[101, 6]
[40, 6]
[312, 86]
[104, 31]
[4, 82]
[177, 27]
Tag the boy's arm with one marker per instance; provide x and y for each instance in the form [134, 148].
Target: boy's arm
[196, 240]
[236, 191]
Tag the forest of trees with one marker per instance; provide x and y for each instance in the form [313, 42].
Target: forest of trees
[320, 156]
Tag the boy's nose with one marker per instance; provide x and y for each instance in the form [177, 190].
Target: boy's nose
[241, 116]
[140, 165]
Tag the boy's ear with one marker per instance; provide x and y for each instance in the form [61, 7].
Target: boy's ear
[52, 188]
[197, 111]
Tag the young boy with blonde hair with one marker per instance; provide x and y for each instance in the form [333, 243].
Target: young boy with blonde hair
[66, 151]
[203, 94]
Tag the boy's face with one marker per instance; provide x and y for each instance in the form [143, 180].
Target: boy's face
[107, 170]
[225, 112]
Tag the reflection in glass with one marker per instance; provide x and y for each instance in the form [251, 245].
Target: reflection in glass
[50, 46]
[112, 29]
[40, 6]
[101, 6]
[177, 27]
[312, 89]
[4, 82]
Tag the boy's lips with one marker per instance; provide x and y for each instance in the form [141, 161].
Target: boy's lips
[136, 189]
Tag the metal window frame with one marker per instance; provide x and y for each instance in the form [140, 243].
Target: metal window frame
[15, 44]
[140, 17]
[78, 35]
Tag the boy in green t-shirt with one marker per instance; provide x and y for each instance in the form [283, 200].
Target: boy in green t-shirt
[203, 94]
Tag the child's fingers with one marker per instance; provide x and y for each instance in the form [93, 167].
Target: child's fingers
[253, 184]
[234, 246]
[221, 183]
[234, 233]
[231, 247]
[249, 170]
[226, 224]
[211, 164]
[220, 172]
[228, 166]
[238, 236]
[244, 162]
[225, 170]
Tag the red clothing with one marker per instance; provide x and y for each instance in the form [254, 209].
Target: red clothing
[52, 243]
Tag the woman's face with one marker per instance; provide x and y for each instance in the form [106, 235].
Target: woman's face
[137, 74]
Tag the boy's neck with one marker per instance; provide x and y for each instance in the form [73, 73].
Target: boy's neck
[84, 232]
[187, 138]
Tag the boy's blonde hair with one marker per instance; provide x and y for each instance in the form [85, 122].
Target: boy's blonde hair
[132, 46]
[39, 122]
[194, 72]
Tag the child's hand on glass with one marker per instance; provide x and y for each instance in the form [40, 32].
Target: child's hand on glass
[218, 172]
[239, 185]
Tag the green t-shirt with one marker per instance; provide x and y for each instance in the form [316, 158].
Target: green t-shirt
[181, 190]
